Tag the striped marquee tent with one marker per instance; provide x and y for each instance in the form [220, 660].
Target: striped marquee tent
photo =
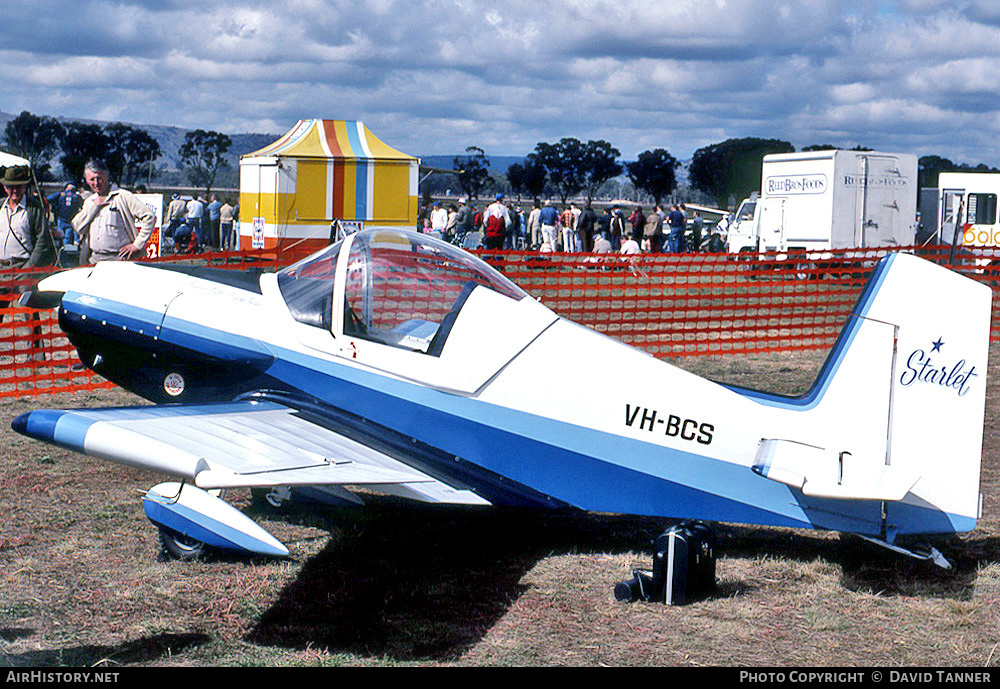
[321, 171]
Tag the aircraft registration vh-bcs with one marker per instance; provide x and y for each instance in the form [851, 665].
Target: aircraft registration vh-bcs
[399, 364]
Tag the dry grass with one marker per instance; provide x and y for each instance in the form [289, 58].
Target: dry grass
[398, 583]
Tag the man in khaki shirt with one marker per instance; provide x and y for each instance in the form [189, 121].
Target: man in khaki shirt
[175, 215]
[114, 223]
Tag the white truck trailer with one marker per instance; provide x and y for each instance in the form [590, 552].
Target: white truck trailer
[968, 198]
[833, 199]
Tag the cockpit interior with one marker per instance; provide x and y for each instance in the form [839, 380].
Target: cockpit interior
[399, 289]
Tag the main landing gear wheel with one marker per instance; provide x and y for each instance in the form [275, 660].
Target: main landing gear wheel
[180, 546]
[277, 498]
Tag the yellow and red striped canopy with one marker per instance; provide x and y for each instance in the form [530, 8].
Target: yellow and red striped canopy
[345, 139]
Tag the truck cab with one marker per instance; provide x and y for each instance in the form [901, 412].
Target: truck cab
[743, 233]
[968, 200]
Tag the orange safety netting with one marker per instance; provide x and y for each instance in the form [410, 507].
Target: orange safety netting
[667, 304]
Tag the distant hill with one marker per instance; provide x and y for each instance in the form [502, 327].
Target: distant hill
[498, 164]
[170, 140]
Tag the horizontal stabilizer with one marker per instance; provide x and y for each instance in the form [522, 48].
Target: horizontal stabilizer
[825, 473]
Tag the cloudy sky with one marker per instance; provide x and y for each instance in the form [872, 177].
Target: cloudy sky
[433, 77]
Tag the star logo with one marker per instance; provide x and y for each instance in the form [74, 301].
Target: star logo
[936, 346]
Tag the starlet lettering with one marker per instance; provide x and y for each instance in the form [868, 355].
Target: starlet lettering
[920, 368]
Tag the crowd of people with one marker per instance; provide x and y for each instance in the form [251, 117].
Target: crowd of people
[106, 222]
[504, 225]
[193, 224]
[103, 222]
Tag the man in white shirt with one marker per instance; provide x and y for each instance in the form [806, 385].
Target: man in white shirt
[630, 247]
[496, 218]
[24, 240]
[439, 218]
[195, 213]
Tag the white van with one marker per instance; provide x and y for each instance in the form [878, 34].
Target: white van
[833, 199]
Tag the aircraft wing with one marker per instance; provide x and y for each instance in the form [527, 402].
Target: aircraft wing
[249, 443]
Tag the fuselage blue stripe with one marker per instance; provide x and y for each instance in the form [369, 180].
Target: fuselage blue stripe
[118, 314]
[591, 469]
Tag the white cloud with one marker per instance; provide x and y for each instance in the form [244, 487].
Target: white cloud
[439, 75]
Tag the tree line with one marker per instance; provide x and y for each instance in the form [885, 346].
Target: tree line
[130, 152]
[566, 169]
[727, 171]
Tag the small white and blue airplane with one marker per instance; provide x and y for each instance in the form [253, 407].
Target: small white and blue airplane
[395, 363]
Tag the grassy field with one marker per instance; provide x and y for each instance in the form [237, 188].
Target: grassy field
[82, 583]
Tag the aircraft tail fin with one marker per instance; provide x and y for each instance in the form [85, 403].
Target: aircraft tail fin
[897, 412]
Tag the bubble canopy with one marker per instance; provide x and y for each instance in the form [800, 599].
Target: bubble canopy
[399, 288]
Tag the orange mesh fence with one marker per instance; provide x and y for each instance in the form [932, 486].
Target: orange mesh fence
[667, 304]
[706, 304]
[35, 355]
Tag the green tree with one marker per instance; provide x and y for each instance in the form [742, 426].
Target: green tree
[34, 137]
[202, 154]
[475, 171]
[564, 163]
[600, 163]
[831, 147]
[732, 168]
[81, 142]
[574, 166]
[131, 152]
[655, 173]
[515, 178]
[528, 177]
[929, 167]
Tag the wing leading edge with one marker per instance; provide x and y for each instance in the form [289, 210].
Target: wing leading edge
[248, 443]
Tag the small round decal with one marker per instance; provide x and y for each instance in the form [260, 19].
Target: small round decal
[173, 384]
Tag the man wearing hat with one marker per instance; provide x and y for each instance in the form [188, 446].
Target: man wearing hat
[115, 223]
[24, 238]
[176, 211]
[497, 220]
[463, 221]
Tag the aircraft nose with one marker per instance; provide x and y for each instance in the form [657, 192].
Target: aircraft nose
[49, 291]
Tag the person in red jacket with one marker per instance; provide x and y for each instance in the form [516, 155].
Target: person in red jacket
[496, 219]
